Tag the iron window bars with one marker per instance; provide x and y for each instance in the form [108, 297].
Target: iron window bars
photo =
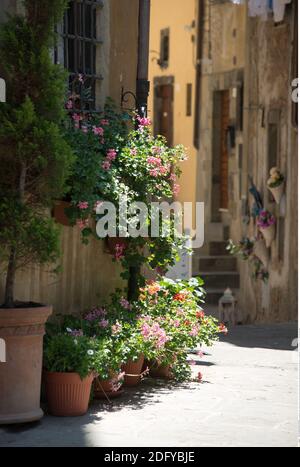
[80, 51]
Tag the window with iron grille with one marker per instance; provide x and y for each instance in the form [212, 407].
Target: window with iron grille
[80, 39]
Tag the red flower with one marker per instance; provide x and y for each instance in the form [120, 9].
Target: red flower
[180, 297]
[223, 329]
[200, 314]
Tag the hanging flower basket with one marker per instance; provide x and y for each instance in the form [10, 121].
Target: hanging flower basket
[277, 192]
[261, 252]
[266, 223]
[276, 184]
[59, 212]
[269, 234]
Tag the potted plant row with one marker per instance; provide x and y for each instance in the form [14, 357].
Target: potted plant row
[108, 345]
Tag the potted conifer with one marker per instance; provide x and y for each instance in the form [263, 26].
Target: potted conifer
[34, 161]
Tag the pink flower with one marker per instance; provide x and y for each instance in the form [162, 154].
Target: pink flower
[82, 223]
[176, 323]
[103, 323]
[80, 78]
[133, 152]
[106, 165]
[75, 332]
[98, 131]
[176, 189]
[163, 170]
[76, 117]
[69, 104]
[83, 205]
[85, 129]
[200, 354]
[194, 332]
[95, 314]
[156, 161]
[111, 155]
[119, 251]
[154, 172]
[157, 149]
[143, 121]
[97, 205]
[192, 362]
[116, 328]
[104, 122]
[173, 177]
[125, 303]
[200, 377]
[145, 330]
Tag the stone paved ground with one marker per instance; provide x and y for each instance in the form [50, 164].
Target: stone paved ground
[249, 398]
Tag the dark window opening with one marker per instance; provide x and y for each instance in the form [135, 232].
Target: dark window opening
[189, 90]
[80, 49]
[164, 48]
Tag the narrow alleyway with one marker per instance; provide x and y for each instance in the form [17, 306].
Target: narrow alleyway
[248, 398]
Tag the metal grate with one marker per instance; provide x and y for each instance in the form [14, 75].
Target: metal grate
[80, 47]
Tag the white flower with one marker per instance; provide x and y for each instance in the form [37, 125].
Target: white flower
[69, 330]
[90, 352]
[75, 341]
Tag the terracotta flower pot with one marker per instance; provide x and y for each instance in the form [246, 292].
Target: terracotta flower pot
[60, 214]
[67, 395]
[277, 192]
[133, 370]
[102, 387]
[268, 234]
[160, 371]
[22, 330]
[260, 250]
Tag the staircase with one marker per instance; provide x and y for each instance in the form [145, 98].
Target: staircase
[218, 270]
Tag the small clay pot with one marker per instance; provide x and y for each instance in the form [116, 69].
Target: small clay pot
[133, 371]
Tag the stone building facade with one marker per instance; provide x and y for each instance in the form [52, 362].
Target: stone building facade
[88, 274]
[241, 123]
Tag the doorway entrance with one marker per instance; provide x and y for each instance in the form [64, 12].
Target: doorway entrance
[220, 154]
[163, 108]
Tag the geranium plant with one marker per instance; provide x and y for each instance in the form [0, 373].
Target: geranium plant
[114, 164]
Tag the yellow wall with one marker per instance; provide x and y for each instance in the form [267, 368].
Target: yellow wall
[178, 16]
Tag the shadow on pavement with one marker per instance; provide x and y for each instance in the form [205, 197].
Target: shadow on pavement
[273, 336]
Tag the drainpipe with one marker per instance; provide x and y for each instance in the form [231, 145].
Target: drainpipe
[142, 94]
[142, 83]
[200, 48]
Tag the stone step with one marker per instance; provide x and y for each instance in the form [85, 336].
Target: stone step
[214, 263]
[218, 249]
[213, 295]
[221, 280]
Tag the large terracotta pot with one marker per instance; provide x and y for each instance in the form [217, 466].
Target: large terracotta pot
[22, 330]
[67, 394]
[133, 370]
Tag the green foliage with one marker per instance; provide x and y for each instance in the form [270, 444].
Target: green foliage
[34, 155]
[65, 353]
